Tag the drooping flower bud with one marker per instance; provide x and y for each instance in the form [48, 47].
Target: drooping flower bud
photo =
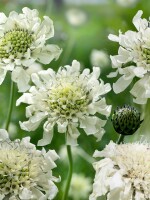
[126, 120]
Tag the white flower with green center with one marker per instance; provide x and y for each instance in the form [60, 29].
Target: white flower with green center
[25, 173]
[123, 173]
[133, 60]
[69, 99]
[22, 42]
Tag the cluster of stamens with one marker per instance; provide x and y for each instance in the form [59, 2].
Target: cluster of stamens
[15, 43]
[67, 99]
[17, 169]
[134, 159]
[146, 55]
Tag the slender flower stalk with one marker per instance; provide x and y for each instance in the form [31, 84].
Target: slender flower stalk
[68, 50]
[10, 108]
[67, 187]
[145, 126]
[121, 139]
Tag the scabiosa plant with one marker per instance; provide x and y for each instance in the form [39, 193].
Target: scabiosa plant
[25, 173]
[123, 173]
[22, 42]
[133, 60]
[69, 99]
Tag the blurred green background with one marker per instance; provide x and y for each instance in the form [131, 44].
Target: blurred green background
[80, 27]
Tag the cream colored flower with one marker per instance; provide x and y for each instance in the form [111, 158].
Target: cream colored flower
[123, 173]
[25, 173]
[22, 42]
[127, 3]
[99, 58]
[76, 17]
[80, 187]
[133, 60]
[69, 99]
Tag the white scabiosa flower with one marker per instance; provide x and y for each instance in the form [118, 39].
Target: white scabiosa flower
[99, 58]
[69, 99]
[127, 3]
[123, 173]
[76, 17]
[22, 42]
[133, 60]
[80, 187]
[25, 173]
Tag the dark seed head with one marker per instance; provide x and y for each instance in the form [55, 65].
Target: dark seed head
[126, 120]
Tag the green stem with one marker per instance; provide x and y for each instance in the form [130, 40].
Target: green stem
[144, 130]
[120, 139]
[65, 196]
[67, 52]
[10, 106]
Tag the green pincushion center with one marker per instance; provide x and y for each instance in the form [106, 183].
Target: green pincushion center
[146, 55]
[16, 170]
[68, 99]
[15, 42]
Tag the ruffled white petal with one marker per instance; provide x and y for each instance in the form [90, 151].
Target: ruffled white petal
[3, 134]
[20, 76]
[48, 53]
[121, 84]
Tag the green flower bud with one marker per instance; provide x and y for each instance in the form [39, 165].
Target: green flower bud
[126, 120]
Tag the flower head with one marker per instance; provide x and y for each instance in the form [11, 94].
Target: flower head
[25, 173]
[22, 42]
[99, 58]
[76, 17]
[133, 60]
[80, 187]
[126, 120]
[68, 99]
[127, 3]
[124, 173]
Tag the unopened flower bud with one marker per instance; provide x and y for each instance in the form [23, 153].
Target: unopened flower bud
[126, 120]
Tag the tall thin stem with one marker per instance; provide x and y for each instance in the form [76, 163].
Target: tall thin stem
[65, 196]
[120, 139]
[10, 106]
[68, 51]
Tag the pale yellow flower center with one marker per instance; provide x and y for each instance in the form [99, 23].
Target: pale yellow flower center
[67, 99]
[146, 55]
[135, 159]
[15, 42]
[17, 170]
